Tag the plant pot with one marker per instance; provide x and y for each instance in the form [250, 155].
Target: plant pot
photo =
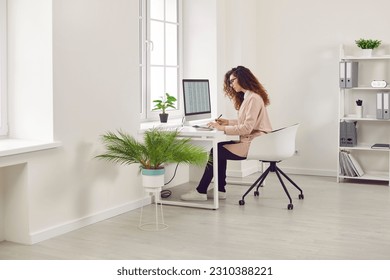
[359, 111]
[164, 118]
[366, 52]
[152, 178]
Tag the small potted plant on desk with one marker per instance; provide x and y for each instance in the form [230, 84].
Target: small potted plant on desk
[168, 101]
[158, 148]
[367, 45]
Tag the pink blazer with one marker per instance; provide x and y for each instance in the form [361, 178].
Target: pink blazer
[252, 121]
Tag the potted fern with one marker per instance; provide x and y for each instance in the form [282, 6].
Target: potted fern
[158, 148]
[367, 45]
[165, 102]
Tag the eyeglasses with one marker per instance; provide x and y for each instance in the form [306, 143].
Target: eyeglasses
[232, 80]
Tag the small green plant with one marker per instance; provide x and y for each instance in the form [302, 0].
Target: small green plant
[368, 43]
[164, 103]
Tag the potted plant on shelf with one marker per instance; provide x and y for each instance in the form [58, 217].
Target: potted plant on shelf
[367, 45]
[158, 148]
[167, 101]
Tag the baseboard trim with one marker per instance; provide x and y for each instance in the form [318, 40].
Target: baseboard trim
[242, 173]
[310, 172]
[48, 233]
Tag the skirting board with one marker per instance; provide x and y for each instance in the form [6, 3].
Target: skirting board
[36, 237]
[309, 172]
[242, 173]
[289, 171]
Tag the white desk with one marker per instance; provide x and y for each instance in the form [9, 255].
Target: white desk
[213, 136]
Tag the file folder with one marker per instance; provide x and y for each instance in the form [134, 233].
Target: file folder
[386, 105]
[342, 74]
[351, 74]
[348, 134]
[379, 105]
[351, 134]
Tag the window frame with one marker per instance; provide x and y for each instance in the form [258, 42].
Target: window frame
[3, 69]
[145, 47]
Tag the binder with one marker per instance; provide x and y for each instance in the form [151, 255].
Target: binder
[379, 105]
[351, 74]
[386, 105]
[342, 74]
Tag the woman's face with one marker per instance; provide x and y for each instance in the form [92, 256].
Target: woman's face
[234, 84]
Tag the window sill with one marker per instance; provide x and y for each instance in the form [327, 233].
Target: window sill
[9, 147]
[172, 123]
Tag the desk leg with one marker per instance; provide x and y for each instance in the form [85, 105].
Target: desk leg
[215, 166]
[215, 203]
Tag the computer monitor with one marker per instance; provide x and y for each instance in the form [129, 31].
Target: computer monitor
[197, 105]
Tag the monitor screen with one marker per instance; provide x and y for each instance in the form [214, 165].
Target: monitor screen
[197, 104]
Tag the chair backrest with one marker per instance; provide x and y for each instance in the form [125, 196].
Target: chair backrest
[274, 146]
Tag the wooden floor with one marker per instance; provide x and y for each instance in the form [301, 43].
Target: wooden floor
[334, 221]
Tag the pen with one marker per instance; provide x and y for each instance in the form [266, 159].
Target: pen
[218, 117]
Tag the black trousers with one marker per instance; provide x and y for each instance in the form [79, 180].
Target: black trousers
[223, 156]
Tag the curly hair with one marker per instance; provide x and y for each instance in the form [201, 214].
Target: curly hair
[247, 81]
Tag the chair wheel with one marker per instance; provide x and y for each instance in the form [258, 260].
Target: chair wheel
[290, 206]
[241, 202]
[256, 193]
[301, 196]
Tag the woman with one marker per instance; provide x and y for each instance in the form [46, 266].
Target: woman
[250, 100]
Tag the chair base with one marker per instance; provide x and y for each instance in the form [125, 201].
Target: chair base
[258, 183]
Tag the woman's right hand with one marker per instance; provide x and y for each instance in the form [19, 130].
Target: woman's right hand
[222, 121]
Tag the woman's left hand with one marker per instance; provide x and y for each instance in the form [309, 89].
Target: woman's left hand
[216, 126]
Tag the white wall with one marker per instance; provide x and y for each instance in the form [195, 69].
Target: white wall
[200, 44]
[30, 69]
[95, 89]
[296, 58]
[95, 56]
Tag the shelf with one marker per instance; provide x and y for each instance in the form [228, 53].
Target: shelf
[381, 57]
[367, 88]
[363, 147]
[370, 129]
[352, 118]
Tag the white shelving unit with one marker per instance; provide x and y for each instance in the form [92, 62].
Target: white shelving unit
[370, 130]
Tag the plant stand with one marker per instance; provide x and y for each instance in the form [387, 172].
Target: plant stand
[153, 221]
[153, 181]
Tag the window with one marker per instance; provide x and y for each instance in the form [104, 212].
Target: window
[3, 69]
[159, 53]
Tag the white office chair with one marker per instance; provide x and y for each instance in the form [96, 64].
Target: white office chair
[274, 147]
